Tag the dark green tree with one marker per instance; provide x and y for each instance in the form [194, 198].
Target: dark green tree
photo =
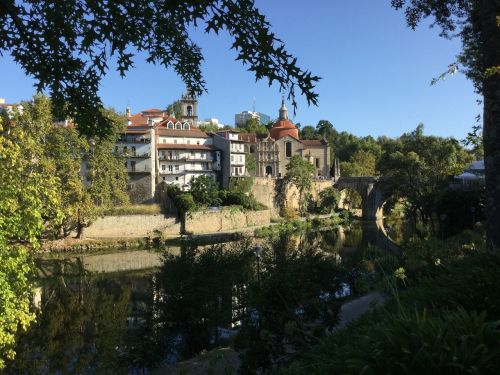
[205, 191]
[477, 24]
[309, 132]
[66, 46]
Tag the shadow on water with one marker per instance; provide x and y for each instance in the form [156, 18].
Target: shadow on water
[270, 304]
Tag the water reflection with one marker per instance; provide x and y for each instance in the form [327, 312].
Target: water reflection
[199, 298]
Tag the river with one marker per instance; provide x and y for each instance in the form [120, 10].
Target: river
[129, 312]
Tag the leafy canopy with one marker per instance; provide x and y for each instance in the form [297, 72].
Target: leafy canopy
[67, 46]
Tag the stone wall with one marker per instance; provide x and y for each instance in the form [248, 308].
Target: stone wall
[264, 191]
[224, 220]
[139, 188]
[131, 226]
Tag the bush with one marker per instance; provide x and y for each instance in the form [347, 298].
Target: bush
[185, 202]
[239, 198]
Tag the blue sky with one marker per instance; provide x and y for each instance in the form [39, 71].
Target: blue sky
[376, 73]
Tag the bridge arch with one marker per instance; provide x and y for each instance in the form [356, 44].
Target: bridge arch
[372, 194]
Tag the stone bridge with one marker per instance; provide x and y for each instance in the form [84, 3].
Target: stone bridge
[372, 192]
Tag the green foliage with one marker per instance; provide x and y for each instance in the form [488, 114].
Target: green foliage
[292, 305]
[239, 198]
[175, 109]
[418, 166]
[250, 163]
[253, 126]
[205, 191]
[74, 39]
[299, 172]
[185, 202]
[328, 199]
[79, 330]
[309, 132]
[361, 163]
[445, 321]
[108, 177]
[243, 184]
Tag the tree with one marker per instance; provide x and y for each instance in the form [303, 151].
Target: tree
[205, 191]
[29, 202]
[329, 199]
[175, 109]
[250, 163]
[309, 132]
[253, 126]
[477, 23]
[299, 172]
[419, 167]
[362, 163]
[325, 128]
[66, 47]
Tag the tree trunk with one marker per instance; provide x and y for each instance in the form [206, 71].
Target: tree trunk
[491, 119]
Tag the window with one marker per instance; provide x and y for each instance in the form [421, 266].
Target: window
[164, 178]
[132, 165]
[317, 162]
[240, 158]
[125, 149]
[178, 126]
[133, 150]
[164, 140]
[177, 179]
[189, 110]
[175, 141]
[177, 167]
[197, 142]
[232, 158]
[186, 127]
[163, 167]
[188, 142]
[170, 169]
[288, 149]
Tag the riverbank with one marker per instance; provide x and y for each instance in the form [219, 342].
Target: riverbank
[122, 240]
[443, 317]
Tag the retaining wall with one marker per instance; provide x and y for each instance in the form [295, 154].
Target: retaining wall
[264, 191]
[224, 220]
[127, 226]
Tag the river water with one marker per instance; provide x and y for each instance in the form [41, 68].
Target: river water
[129, 312]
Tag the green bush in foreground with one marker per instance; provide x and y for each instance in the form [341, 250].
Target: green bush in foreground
[446, 322]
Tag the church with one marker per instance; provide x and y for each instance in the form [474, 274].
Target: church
[273, 151]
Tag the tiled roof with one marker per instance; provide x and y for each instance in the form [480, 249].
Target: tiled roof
[171, 146]
[194, 133]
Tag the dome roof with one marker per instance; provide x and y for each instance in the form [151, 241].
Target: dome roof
[284, 126]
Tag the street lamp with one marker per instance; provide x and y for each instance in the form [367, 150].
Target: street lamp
[258, 253]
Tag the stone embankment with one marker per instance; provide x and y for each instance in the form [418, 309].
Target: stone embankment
[132, 226]
[225, 219]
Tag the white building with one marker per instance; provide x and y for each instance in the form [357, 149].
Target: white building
[233, 154]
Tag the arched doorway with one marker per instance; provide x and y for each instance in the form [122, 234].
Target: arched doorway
[269, 170]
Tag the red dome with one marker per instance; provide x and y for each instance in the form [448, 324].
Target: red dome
[282, 128]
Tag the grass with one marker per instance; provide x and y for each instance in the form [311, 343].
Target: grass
[136, 209]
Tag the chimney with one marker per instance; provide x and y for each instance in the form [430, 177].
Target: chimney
[127, 112]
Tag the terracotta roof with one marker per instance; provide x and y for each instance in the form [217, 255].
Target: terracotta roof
[194, 133]
[152, 110]
[171, 146]
[135, 131]
[313, 142]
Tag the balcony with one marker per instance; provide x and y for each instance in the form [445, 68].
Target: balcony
[133, 140]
